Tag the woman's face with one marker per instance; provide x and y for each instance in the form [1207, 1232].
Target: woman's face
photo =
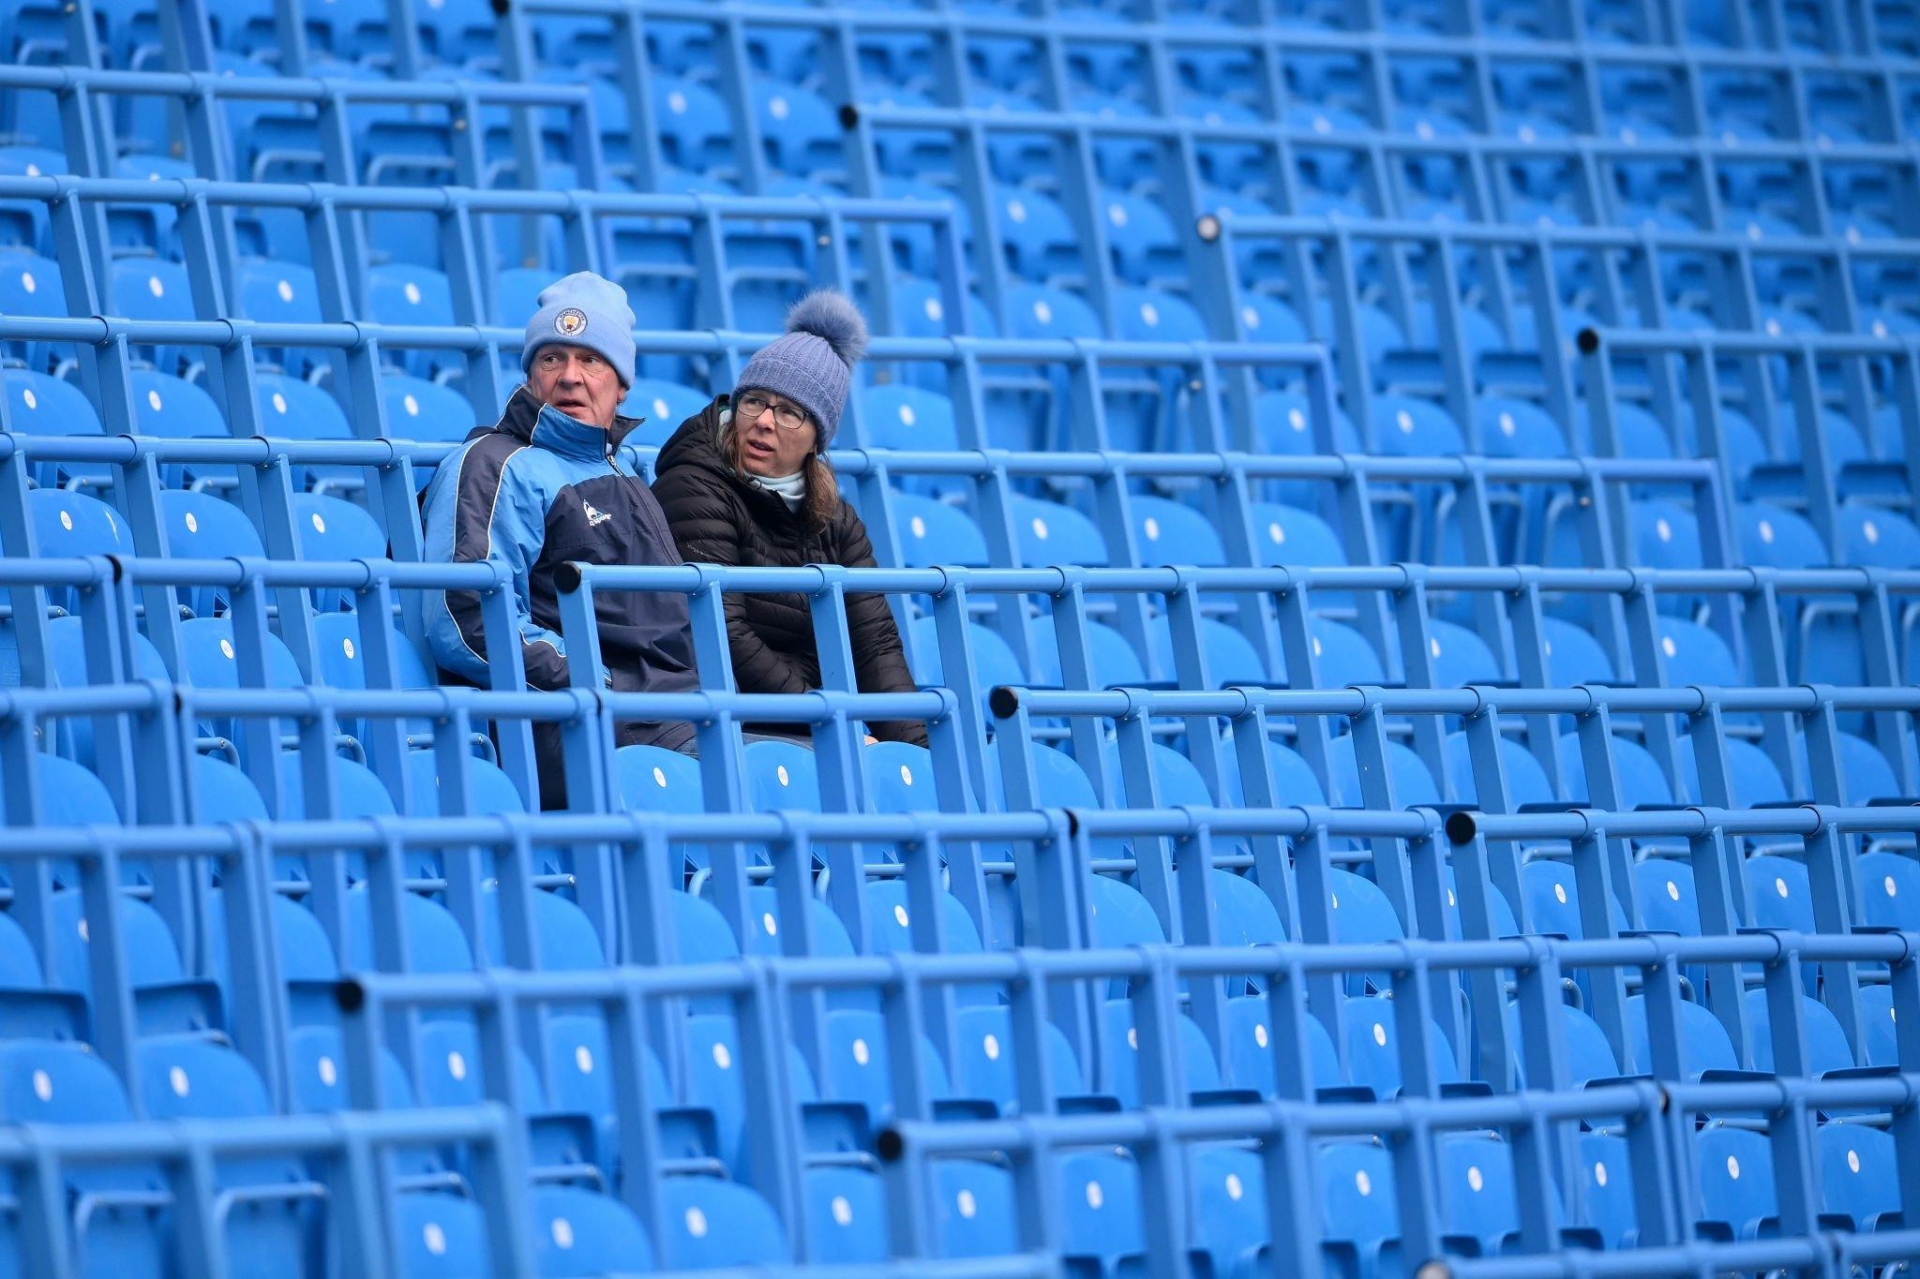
[770, 444]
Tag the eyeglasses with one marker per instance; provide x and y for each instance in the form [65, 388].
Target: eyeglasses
[789, 417]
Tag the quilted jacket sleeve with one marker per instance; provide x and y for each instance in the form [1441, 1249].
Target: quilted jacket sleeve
[879, 660]
[706, 521]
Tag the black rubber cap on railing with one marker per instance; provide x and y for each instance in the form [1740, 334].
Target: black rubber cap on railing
[1588, 340]
[567, 576]
[849, 115]
[350, 995]
[889, 1145]
[1461, 828]
[1003, 702]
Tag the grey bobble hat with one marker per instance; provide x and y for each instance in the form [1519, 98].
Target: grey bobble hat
[583, 309]
[812, 362]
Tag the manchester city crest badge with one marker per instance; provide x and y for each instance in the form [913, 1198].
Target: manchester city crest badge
[571, 322]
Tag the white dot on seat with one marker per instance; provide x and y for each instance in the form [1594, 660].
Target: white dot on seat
[1404, 420]
[772, 925]
[156, 286]
[778, 108]
[66, 521]
[1853, 1161]
[319, 524]
[907, 417]
[435, 1238]
[1150, 314]
[1434, 646]
[1297, 419]
[1475, 1179]
[659, 776]
[1152, 527]
[82, 930]
[1766, 531]
[285, 290]
[1040, 528]
[1234, 1189]
[1773, 327]
[1667, 646]
[1043, 313]
[919, 526]
[226, 649]
[153, 400]
[279, 403]
[412, 292]
[1560, 893]
[842, 1210]
[1133, 1038]
[1599, 1174]
[1380, 1033]
[1663, 529]
[1317, 649]
[862, 1055]
[990, 1045]
[900, 915]
[1362, 1182]
[1249, 317]
[1870, 531]
[346, 647]
[1780, 886]
[28, 398]
[696, 1223]
[583, 1059]
[411, 405]
[906, 775]
[1117, 214]
[934, 310]
[43, 1085]
[1733, 1167]
[1095, 1195]
[784, 777]
[1673, 890]
[28, 283]
[1260, 1033]
[677, 102]
[329, 1073]
[562, 1231]
[1016, 210]
[456, 1065]
[964, 1201]
[722, 1058]
[1893, 889]
[1276, 534]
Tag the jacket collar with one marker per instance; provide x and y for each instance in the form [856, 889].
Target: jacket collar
[525, 420]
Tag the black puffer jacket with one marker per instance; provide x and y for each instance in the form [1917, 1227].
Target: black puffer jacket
[718, 517]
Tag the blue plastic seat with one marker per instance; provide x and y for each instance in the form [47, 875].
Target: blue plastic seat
[974, 1210]
[1048, 533]
[1736, 1182]
[1859, 1174]
[578, 1233]
[932, 533]
[441, 1236]
[1477, 1191]
[1099, 1196]
[1358, 1199]
[712, 1224]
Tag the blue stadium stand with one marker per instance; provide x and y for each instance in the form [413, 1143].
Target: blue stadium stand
[1402, 516]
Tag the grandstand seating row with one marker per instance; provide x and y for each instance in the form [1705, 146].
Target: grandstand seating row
[1402, 515]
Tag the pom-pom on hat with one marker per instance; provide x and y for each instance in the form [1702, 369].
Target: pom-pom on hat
[583, 309]
[812, 362]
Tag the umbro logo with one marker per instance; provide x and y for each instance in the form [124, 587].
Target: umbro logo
[595, 518]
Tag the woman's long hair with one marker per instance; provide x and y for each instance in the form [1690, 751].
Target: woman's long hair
[823, 490]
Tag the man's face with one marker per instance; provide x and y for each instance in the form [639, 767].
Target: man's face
[577, 381]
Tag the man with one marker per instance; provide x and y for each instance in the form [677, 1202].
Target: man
[544, 486]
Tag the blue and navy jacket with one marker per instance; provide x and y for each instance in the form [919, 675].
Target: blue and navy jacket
[533, 492]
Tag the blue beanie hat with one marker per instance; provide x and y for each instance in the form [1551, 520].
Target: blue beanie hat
[587, 310]
[812, 362]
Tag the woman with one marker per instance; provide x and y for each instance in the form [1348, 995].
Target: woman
[744, 482]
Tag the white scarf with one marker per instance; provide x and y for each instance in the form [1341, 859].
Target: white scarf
[792, 489]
